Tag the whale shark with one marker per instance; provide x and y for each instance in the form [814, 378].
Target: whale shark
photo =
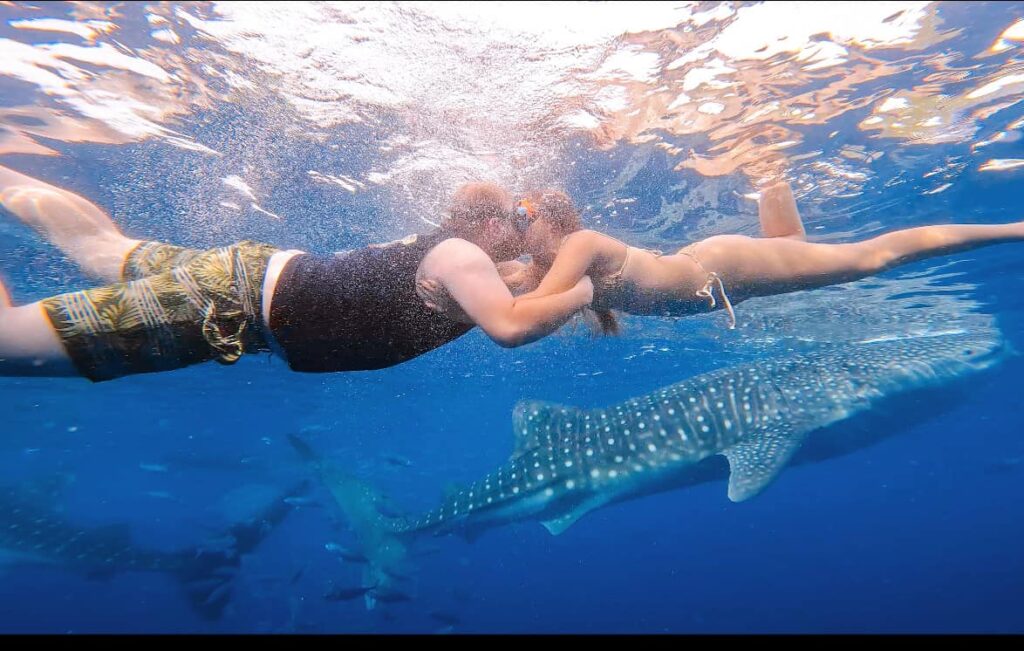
[35, 532]
[383, 553]
[760, 416]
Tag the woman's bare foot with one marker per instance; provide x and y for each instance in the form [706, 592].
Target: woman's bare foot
[778, 212]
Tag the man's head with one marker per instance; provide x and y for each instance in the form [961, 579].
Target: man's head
[482, 213]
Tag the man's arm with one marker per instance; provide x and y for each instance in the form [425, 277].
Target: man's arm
[472, 280]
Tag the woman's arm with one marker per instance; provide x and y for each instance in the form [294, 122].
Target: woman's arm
[470, 278]
[576, 258]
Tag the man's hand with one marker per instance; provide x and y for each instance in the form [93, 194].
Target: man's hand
[432, 293]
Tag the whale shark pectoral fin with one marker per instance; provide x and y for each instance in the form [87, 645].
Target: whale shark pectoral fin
[557, 526]
[535, 423]
[756, 461]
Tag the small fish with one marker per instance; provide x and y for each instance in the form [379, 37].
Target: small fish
[353, 556]
[1005, 465]
[347, 594]
[345, 553]
[218, 594]
[426, 550]
[389, 511]
[153, 467]
[391, 596]
[451, 619]
[301, 501]
[395, 574]
[161, 495]
[397, 460]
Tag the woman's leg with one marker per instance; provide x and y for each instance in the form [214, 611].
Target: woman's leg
[778, 213]
[75, 225]
[760, 267]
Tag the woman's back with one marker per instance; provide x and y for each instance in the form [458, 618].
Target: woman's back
[635, 280]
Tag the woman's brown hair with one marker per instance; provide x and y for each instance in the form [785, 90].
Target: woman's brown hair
[557, 209]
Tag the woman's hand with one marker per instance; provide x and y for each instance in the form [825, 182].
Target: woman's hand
[437, 299]
[586, 286]
[519, 277]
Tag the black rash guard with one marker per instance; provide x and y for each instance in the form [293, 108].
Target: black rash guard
[357, 310]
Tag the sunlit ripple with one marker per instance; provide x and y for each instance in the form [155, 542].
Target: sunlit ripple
[824, 94]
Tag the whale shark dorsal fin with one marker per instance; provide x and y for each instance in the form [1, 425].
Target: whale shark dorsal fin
[557, 526]
[535, 423]
[758, 459]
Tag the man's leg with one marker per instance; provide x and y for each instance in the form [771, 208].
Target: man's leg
[75, 225]
[28, 343]
[206, 309]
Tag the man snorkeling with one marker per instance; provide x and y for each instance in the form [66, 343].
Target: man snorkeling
[170, 307]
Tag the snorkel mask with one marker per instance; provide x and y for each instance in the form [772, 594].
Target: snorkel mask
[524, 214]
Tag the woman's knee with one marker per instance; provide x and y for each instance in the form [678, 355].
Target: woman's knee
[869, 257]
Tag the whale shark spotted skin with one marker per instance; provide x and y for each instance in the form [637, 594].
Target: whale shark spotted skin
[34, 532]
[569, 461]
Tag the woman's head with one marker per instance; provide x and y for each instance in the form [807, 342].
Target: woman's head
[554, 217]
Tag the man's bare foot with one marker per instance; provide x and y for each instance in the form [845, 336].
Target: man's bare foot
[72, 223]
[5, 297]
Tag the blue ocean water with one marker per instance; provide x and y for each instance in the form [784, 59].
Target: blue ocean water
[330, 126]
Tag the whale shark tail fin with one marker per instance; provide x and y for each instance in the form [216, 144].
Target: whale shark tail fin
[383, 534]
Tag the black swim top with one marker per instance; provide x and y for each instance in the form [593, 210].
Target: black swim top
[357, 310]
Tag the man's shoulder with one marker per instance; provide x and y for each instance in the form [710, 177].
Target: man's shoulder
[456, 247]
[455, 256]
